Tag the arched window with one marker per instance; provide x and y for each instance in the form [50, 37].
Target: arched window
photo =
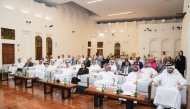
[38, 48]
[48, 46]
[117, 50]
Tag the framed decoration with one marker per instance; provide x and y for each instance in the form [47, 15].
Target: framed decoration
[99, 44]
[7, 34]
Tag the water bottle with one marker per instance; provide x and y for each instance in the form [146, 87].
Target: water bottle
[136, 93]
[47, 79]
[118, 91]
[54, 80]
[65, 82]
[121, 91]
[103, 88]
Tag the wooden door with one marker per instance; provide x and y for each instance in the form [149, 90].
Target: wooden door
[48, 46]
[39, 53]
[88, 52]
[117, 50]
[8, 53]
[100, 51]
[38, 45]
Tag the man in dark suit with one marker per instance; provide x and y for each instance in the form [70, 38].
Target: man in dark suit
[27, 65]
[87, 62]
[123, 63]
[138, 63]
[73, 61]
[126, 69]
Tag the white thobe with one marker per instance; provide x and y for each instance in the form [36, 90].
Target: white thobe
[14, 68]
[50, 69]
[38, 71]
[129, 85]
[108, 78]
[167, 93]
[175, 71]
[148, 71]
[78, 66]
[131, 62]
[94, 68]
[113, 68]
[82, 59]
[120, 63]
[59, 62]
[67, 74]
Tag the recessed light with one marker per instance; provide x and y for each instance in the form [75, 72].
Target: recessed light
[109, 23]
[93, 1]
[163, 20]
[120, 13]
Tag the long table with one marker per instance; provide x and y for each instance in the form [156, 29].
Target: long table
[58, 84]
[25, 78]
[99, 95]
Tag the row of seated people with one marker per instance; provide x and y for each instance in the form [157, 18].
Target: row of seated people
[134, 75]
[159, 67]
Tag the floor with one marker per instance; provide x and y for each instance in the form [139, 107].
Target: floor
[19, 97]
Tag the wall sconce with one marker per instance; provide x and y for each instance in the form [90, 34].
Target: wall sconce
[178, 27]
[149, 29]
[51, 26]
[29, 22]
[73, 31]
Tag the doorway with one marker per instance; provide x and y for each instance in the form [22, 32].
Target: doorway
[8, 53]
[117, 50]
[48, 46]
[38, 48]
[100, 51]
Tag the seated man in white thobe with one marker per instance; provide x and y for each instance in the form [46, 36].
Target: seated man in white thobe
[59, 61]
[16, 67]
[148, 71]
[131, 60]
[175, 70]
[67, 73]
[51, 68]
[132, 80]
[39, 70]
[108, 78]
[169, 84]
[94, 67]
[113, 66]
[82, 59]
[52, 58]
[120, 62]
[63, 57]
[77, 66]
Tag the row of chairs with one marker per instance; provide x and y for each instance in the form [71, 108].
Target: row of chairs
[144, 87]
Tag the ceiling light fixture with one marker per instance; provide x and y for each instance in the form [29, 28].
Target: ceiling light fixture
[121, 13]
[94, 1]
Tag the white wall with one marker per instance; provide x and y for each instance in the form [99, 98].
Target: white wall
[131, 36]
[185, 45]
[163, 39]
[65, 19]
